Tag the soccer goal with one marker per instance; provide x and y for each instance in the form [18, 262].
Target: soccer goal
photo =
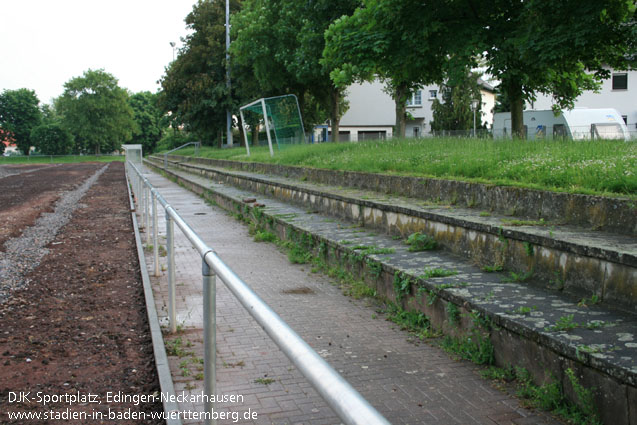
[279, 116]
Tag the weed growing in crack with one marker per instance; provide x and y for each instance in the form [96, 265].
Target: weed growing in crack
[402, 285]
[420, 242]
[436, 272]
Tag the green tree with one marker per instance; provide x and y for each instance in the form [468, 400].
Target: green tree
[314, 17]
[401, 42]
[96, 111]
[264, 41]
[148, 118]
[557, 48]
[454, 112]
[4, 138]
[19, 114]
[52, 139]
[194, 87]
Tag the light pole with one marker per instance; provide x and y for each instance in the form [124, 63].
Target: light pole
[172, 44]
[474, 108]
[228, 113]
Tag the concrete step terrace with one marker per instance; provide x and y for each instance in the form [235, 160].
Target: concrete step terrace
[571, 258]
[547, 332]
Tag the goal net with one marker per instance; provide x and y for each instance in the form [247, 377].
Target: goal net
[273, 121]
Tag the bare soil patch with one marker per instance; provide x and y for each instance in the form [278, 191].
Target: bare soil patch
[24, 196]
[80, 325]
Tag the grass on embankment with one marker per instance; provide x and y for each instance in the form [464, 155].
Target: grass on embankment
[48, 159]
[600, 167]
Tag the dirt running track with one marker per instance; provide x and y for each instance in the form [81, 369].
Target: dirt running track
[80, 325]
[31, 190]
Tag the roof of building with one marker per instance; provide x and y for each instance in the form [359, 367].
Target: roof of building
[486, 86]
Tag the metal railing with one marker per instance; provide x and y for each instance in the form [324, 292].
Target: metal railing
[346, 402]
[197, 146]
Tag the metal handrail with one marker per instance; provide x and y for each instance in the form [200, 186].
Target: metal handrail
[348, 404]
[197, 146]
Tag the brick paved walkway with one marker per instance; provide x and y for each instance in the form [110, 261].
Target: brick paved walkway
[408, 383]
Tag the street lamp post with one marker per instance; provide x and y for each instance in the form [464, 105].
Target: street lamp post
[474, 108]
[172, 44]
[228, 84]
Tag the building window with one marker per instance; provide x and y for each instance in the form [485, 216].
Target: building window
[433, 94]
[620, 81]
[416, 99]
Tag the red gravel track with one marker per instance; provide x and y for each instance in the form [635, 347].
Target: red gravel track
[24, 196]
[80, 325]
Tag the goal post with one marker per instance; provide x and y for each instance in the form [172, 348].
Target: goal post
[280, 116]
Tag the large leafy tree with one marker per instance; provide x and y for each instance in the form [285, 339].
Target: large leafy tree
[404, 43]
[304, 63]
[51, 138]
[263, 46]
[280, 43]
[19, 114]
[557, 48]
[194, 87]
[96, 111]
[148, 118]
[454, 112]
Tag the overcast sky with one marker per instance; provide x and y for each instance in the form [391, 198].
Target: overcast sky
[45, 43]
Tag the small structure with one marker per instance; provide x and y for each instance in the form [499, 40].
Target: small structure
[576, 124]
[133, 153]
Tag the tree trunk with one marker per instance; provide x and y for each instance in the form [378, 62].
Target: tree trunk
[517, 107]
[242, 140]
[220, 140]
[255, 134]
[335, 113]
[400, 97]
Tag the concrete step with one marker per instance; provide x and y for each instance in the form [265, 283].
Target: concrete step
[566, 257]
[547, 332]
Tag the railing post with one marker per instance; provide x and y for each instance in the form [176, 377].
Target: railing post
[172, 296]
[155, 234]
[134, 184]
[141, 202]
[209, 337]
[137, 194]
[147, 209]
[144, 211]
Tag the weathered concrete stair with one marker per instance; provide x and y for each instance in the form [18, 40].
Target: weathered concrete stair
[525, 331]
[577, 260]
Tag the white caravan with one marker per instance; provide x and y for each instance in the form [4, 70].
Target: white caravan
[576, 124]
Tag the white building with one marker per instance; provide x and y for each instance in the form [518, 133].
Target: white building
[618, 92]
[372, 111]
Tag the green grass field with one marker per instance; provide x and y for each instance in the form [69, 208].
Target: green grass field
[599, 167]
[48, 159]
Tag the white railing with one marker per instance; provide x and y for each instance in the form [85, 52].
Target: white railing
[347, 403]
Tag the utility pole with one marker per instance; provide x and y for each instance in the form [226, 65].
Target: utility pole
[228, 112]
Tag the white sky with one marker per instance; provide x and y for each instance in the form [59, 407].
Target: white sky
[45, 43]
